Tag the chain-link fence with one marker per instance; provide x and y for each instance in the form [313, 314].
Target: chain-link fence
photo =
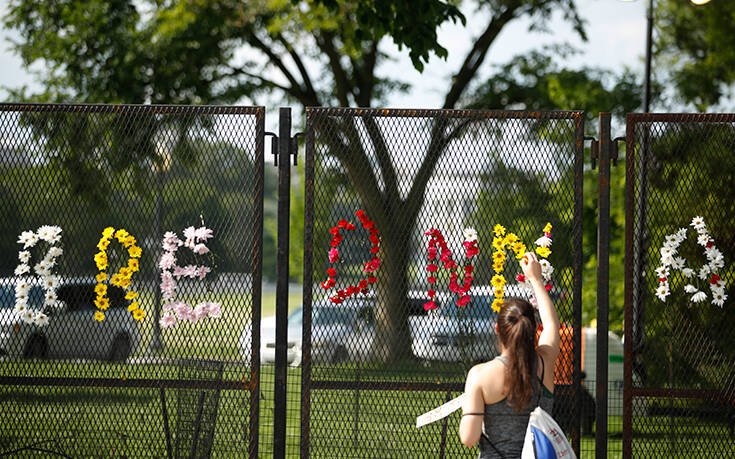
[120, 339]
[376, 182]
[679, 353]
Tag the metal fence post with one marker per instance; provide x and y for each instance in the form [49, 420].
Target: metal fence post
[603, 288]
[284, 197]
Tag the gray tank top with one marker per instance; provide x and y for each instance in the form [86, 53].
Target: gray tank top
[504, 429]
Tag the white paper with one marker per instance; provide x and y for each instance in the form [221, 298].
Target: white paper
[440, 412]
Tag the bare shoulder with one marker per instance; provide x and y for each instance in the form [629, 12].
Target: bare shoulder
[489, 378]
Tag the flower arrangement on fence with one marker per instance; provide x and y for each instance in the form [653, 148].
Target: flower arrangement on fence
[503, 240]
[52, 236]
[438, 249]
[370, 267]
[195, 239]
[122, 278]
[707, 274]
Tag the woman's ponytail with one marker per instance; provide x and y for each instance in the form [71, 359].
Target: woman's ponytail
[517, 330]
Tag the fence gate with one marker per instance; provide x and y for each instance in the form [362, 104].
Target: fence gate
[123, 387]
[374, 362]
[679, 353]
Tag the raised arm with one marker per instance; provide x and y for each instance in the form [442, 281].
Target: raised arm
[548, 343]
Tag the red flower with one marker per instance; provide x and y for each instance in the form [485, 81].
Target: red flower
[332, 272]
[432, 253]
[446, 255]
[714, 279]
[328, 284]
[521, 278]
[360, 214]
[342, 293]
[350, 227]
[454, 287]
[432, 268]
[363, 284]
[342, 223]
[709, 244]
[335, 241]
[431, 279]
[463, 301]
[333, 255]
[429, 306]
[548, 287]
[469, 268]
[375, 249]
[335, 299]
[334, 230]
[372, 279]
[374, 239]
[472, 251]
[663, 279]
[432, 293]
[450, 264]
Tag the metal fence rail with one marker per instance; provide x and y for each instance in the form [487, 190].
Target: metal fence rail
[386, 361]
[122, 386]
[679, 380]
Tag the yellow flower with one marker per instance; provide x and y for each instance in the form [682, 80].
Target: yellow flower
[519, 248]
[499, 292]
[121, 234]
[499, 257]
[543, 251]
[101, 277]
[131, 295]
[125, 272]
[497, 304]
[138, 314]
[100, 289]
[108, 232]
[133, 306]
[128, 241]
[116, 279]
[99, 316]
[509, 239]
[498, 244]
[102, 302]
[125, 283]
[133, 265]
[135, 251]
[497, 281]
[498, 267]
[102, 244]
[547, 228]
[499, 230]
[100, 259]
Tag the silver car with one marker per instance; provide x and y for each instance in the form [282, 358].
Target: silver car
[72, 331]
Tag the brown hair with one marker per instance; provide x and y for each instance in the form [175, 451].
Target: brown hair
[517, 331]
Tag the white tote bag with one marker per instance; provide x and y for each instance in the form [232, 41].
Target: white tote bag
[544, 438]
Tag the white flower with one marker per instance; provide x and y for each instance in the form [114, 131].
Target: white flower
[28, 239]
[51, 282]
[667, 251]
[698, 224]
[716, 289]
[28, 316]
[21, 288]
[20, 309]
[703, 239]
[662, 271]
[22, 269]
[681, 234]
[662, 292]
[41, 319]
[50, 262]
[470, 234]
[721, 283]
[719, 298]
[24, 256]
[703, 272]
[41, 268]
[54, 252]
[678, 263]
[687, 272]
[546, 269]
[21, 298]
[689, 288]
[712, 253]
[543, 241]
[200, 249]
[672, 240]
[50, 298]
[667, 260]
[699, 297]
[55, 234]
[44, 232]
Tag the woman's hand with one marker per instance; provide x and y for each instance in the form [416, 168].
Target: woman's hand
[531, 267]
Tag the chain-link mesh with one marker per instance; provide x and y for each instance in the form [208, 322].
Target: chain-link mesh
[374, 362]
[680, 352]
[127, 387]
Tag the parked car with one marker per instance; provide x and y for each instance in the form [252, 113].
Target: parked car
[72, 331]
[454, 334]
[339, 332]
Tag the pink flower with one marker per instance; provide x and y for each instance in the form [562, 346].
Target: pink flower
[203, 233]
[215, 310]
[167, 321]
[200, 311]
[190, 233]
[167, 260]
[200, 249]
[179, 271]
[333, 255]
[429, 305]
[190, 271]
[202, 272]
[182, 309]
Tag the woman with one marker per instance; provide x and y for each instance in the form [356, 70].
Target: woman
[500, 394]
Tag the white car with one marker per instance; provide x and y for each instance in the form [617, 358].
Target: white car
[268, 339]
[455, 334]
[72, 331]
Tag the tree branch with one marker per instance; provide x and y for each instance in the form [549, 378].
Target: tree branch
[383, 154]
[257, 43]
[309, 93]
[325, 41]
[477, 54]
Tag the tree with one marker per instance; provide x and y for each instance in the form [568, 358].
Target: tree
[697, 46]
[184, 52]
